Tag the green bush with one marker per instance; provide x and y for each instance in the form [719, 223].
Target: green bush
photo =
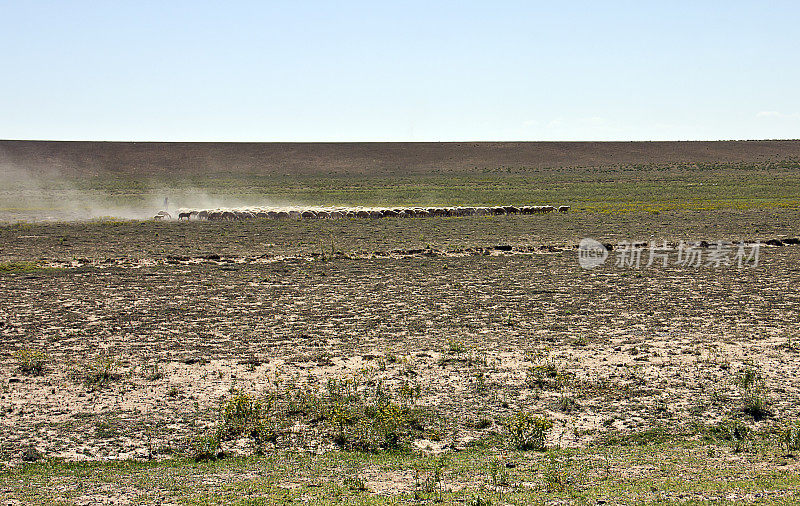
[17, 266]
[206, 447]
[526, 431]
[479, 500]
[734, 432]
[790, 438]
[754, 391]
[101, 371]
[361, 416]
[31, 361]
[240, 414]
[389, 427]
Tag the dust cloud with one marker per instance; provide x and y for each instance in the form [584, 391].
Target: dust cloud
[34, 196]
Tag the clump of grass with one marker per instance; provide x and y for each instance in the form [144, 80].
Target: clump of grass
[498, 474]
[17, 266]
[101, 371]
[526, 431]
[479, 500]
[30, 361]
[206, 447]
[355, 483]
[790, 438]
[428, 483]
[734, 432]
[456, 346]
[355, 415]
[754, 393]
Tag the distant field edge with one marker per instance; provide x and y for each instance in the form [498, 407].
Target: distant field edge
[92, 158]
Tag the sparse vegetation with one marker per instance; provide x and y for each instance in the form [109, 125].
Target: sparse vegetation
[17, 266]
[428, 482]
[206, 447]
[100, 372]
[790, 437]
[398, 364]
[31, 361]
[498, 474]
[754, 393]
[354, 415]
[526, 431]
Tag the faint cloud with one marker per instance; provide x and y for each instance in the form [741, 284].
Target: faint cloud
[776, 114]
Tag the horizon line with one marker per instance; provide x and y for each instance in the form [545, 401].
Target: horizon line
[468, 141]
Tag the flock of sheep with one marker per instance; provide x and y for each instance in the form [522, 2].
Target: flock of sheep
[406, 212]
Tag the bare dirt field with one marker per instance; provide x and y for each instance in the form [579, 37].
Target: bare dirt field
[159, 159]
[457, 359]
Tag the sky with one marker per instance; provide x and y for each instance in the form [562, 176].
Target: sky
[399, 71]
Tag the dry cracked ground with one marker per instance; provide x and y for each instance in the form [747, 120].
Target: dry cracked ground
[492, 319]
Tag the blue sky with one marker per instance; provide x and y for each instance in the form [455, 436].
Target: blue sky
[403, 71]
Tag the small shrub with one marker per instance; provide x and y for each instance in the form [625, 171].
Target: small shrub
[546, 374]
[456, 346]
[498, 474]
[756, 403]
[17, 266]
[206, 447]
[581, 340]
[754, 394]
[101, 371]
[542, 376]
[410, 392]
[428, 483]
[480, 381]
[31, 454]
[152, 372]
[734, 432]
[388, 427]
[267, 431]
[556, 473]
[479, 500]
[790, 438]
[106, 430]
[355, 483]
[526, 431]
[30, 361]
[568, 404]
[239, 415]
[748, 378]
